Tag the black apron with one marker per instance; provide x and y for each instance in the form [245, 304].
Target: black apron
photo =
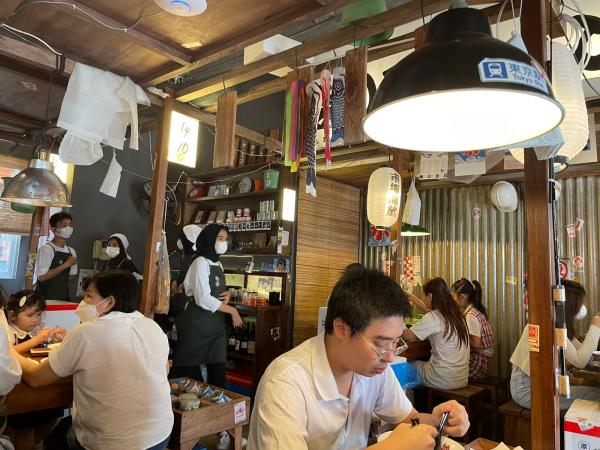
[201, 334]
[56, 288]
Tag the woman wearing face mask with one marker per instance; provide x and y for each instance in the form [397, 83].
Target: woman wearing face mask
[113, 340]
[201, 327]
[56, 261]
[578, 354]
[116, 248]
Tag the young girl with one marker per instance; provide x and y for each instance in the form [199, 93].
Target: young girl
[26, 331]
[24, 310]
[445, 328]
[481, 337]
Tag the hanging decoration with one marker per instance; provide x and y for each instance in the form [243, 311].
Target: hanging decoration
[337, 106]
[379, 237]
[314, 97]
[294, 124]
[504, 196]
[111, 182]
[325, 93]
[383, 197]
[469, 163]
[432, 166]
[412, 208]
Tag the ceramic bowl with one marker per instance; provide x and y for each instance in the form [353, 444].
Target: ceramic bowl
[447, 443]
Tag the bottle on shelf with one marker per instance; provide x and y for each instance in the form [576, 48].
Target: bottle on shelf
[238, 340]
[231, 342]
[252, 339]
[244, 339]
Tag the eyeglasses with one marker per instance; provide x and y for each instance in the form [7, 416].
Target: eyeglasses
[398, 347]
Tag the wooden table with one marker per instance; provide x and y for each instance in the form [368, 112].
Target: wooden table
[24, 398]
[585, 377]
[417, 350]
[482, 444]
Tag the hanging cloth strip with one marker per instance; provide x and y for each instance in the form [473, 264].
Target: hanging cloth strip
[325, 90]
[300, 111]
[315, 100]
[337, 106]
[287, 127]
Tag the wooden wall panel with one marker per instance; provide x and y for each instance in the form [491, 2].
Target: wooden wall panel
[328, 240]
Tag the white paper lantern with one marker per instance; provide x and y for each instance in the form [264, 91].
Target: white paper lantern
[504, 196]
[383, 197]
[566, 84]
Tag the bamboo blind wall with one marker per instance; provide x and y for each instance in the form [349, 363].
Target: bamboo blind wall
[11, 221]
[328, 240]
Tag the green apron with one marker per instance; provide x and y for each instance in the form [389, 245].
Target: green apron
[201, 334]
[56, 288]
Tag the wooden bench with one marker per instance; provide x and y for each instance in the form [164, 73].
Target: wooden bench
[517, 424]
[471, 397]
[496, 393]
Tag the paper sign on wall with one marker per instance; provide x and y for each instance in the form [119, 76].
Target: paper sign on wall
[534, 338]
[469, 163]
[183, 139]
[433, 166]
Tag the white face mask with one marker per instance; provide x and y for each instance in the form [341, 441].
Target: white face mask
[179, 244]
[87, 312]
[582, 313]
[221, 247]
[112, 251]
[65, 232]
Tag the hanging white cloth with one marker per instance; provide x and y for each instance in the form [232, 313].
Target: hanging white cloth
[97, 108]
[110, 185]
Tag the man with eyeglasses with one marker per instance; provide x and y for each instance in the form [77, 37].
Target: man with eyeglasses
[321, 395]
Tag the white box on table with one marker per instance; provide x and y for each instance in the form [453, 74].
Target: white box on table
[582, 426]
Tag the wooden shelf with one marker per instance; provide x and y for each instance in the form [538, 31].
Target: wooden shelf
[239, 355]
[228, 172]
[253, 310]
[238, 196]
[255, 252]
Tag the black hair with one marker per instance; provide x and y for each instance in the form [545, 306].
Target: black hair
[122, 285]
[32, 299]
[363, 295]
[574, 296]
[441, 300]
[205, 242]
[473, 292]
[55, 218]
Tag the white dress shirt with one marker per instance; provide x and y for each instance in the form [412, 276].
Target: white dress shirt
[10, 370]
[298, 405]
[196, 284]
[121, 394]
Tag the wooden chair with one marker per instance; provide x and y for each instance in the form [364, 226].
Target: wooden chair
[471, 397]
[517, 424]
[496, 393]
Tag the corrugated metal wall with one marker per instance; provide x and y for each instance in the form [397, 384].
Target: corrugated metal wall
[491, 249]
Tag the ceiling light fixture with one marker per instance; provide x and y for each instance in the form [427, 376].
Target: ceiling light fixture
[185, 8]
[462, 90]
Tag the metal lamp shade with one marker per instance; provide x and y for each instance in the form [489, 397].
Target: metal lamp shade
[408, 230]
[37, 185]
[439, 99]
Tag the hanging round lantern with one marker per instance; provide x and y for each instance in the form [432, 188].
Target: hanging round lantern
[566, 84]
[383, 197]
[504, 196]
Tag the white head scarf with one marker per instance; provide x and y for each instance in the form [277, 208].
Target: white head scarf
[123, 240]
[191, 233]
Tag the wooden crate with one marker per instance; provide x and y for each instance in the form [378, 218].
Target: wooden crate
[209, 419]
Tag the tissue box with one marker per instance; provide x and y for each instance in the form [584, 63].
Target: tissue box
[582, 426]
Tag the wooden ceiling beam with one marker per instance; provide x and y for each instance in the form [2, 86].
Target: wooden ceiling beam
[7, 7]
[29, 71]
[272, 26]
[16, 138]
[260, 91]
[159, 46]
[360, 30]
[14, 118]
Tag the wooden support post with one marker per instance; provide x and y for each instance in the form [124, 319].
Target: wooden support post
[545, 414]
[157, 206]
[37, 219]
[356, 102]
[224, 151]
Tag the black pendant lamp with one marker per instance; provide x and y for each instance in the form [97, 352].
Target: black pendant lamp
[463, 90]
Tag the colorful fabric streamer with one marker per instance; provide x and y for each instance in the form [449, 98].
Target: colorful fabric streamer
[315, 101]
[337, 106]
[325, 93]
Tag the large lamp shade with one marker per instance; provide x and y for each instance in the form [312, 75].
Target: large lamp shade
[383, 197]
[37, 185]
[566, 81]
[463, 90]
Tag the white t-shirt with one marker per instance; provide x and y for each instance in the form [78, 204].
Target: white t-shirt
[121, 394]
[298, 405]
[46, 255]
[448, 367]
[10, 370]
[578, 354]
[196, 284]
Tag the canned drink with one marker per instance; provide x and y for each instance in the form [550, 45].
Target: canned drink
[188, 385]
[219, 397]
[188, 402]
[205, 392]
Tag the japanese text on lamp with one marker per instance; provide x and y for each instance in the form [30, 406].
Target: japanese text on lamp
[392, 202]
[183, 139]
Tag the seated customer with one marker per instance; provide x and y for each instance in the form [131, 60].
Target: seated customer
[10, 370]
[118, 359]
[321, 395]
[481, 337]
[446, 330]
[578, 353]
